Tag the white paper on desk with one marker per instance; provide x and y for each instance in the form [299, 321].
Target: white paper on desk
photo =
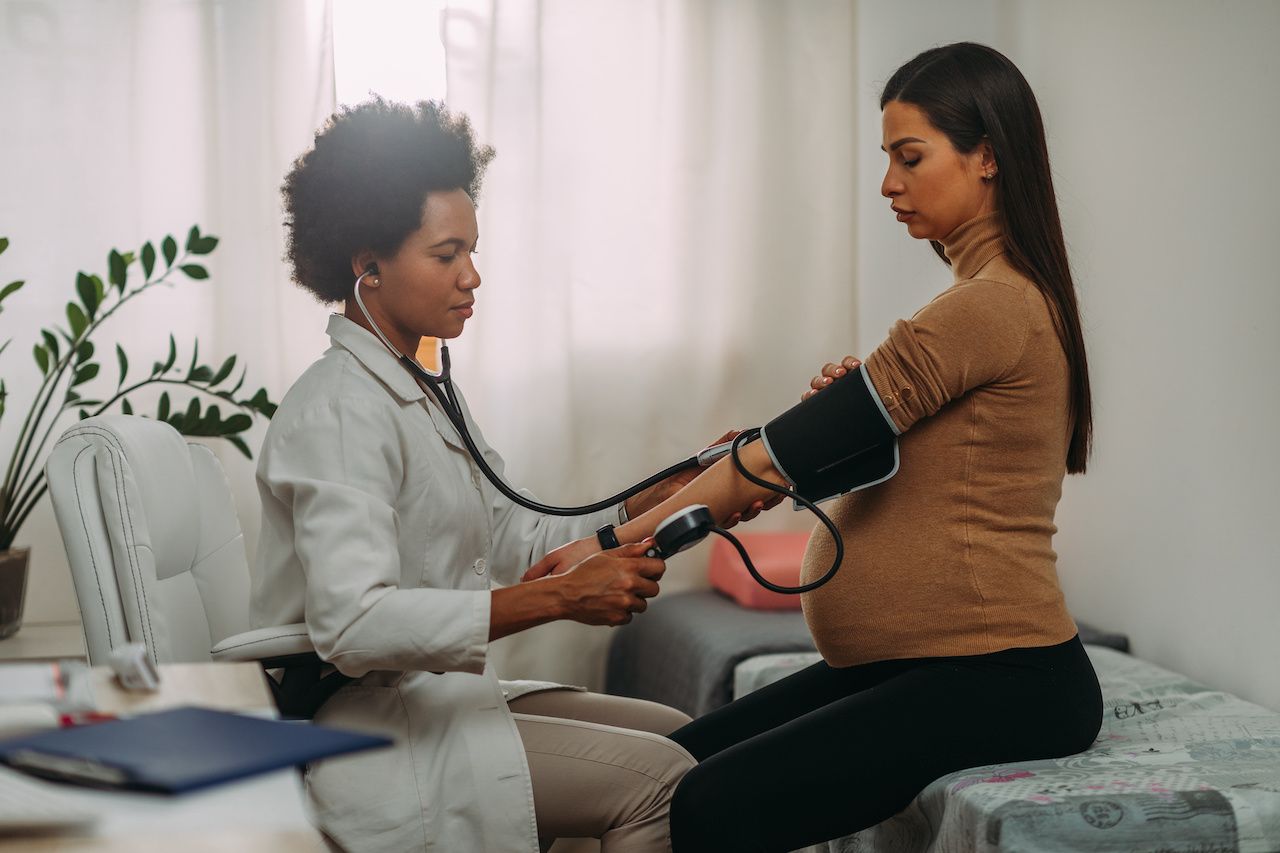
[63, 685]
[29, 718]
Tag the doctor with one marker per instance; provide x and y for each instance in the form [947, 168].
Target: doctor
[379, 530]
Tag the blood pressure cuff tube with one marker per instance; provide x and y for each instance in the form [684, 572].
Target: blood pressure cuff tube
[839, 440]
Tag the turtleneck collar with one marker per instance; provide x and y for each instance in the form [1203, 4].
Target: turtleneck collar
[972, 245]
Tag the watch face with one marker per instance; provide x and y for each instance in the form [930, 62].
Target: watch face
[608, 539]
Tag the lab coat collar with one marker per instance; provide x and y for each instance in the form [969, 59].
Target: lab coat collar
[375, 357]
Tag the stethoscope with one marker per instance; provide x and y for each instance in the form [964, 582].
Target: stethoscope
[681, 530]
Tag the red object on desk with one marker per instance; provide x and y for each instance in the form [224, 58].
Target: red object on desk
[83, 718]
[776, 556]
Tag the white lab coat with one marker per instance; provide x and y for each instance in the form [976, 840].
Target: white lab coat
[382, 534]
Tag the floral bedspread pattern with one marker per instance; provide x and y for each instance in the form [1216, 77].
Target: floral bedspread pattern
[1177, 768]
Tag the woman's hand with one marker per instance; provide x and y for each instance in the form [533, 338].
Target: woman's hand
[562, 559]
[659, 492]
[830, 373]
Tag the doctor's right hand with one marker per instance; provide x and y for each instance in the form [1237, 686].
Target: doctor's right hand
[608, 587]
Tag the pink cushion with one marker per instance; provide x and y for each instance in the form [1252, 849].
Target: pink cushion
[776, 556]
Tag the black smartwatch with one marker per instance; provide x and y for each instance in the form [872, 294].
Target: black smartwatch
[608, 539]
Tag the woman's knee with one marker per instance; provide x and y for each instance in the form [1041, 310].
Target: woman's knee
[707, 813]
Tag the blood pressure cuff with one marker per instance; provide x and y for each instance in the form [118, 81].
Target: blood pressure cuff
[839, 440]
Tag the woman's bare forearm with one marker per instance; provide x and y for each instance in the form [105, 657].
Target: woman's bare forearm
[720, 487]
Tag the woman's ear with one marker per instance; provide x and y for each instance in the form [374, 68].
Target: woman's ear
[987, 166]
[362, 262]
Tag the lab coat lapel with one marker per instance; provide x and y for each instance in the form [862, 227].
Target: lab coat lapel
[379, 361]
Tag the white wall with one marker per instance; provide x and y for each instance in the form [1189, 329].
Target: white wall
[1162, 119]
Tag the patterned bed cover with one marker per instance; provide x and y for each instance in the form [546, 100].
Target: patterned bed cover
[1177, 768]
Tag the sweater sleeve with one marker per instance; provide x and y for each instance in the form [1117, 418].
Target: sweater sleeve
[969, 335]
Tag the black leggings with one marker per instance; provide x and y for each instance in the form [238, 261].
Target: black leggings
[826, 752]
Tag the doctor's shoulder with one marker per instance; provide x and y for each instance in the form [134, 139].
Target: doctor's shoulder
[334, 385]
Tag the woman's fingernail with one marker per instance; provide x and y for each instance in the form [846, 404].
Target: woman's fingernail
[826, 380]
[839, 371]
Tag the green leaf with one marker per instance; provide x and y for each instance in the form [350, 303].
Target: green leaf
[195, 354]
[243, 374]
[195, 271]
[236, 423]
[117, 270]
[148, 259]
[85, 373]
[163, 412]
[84, 414]
[77, 320]
[173, 355]
[88, 295]
[261, 404]
[124, 364]
[224, 371]
[198, 244]
[4, 244]
[125, 407]
[42, 359]
[191, 416]
[201, 374]
[11, 287]
[84, 352]
[72, 396]
[211, 422]
[239, 444]
[170, 249]
[51, 341]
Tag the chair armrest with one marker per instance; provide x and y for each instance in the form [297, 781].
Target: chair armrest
[279, 646]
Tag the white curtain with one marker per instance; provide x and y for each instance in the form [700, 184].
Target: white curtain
[666, 240]
[129, 120]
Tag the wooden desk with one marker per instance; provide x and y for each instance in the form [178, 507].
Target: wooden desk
[264, 814]
[44, 641]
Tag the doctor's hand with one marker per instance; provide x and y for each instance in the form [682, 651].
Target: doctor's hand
[609, 587]
[830, 373]
[563, 559]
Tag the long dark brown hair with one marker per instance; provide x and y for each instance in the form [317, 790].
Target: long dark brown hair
[973, 93]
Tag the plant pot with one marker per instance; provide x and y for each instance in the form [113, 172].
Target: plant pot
[13, 589]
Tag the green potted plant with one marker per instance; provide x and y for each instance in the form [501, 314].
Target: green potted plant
[66, 360]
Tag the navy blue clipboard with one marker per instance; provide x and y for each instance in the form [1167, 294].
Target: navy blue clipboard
[176, 751]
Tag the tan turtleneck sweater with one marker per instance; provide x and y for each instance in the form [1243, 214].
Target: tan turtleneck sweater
[953, 556]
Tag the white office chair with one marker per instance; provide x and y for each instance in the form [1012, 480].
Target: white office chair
[156, 552]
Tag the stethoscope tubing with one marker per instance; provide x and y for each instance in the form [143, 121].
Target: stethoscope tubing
[441, 388]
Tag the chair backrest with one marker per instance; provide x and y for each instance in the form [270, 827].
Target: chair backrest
[151, 533]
